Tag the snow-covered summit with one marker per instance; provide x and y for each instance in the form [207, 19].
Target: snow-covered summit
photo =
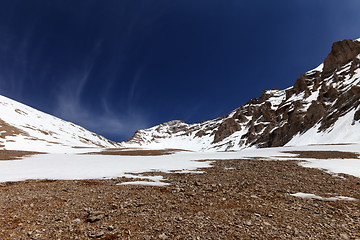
[25, 128]
[321, 107]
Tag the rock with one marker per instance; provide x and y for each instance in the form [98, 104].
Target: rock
[267, 224]
[95, 216]
[357, 115]
[228, 127]
[97, 235]
[300, 85]
[197, 183]
[163, 236]
[344, 236]
[341, 53]
[77, 220]
[248, 223]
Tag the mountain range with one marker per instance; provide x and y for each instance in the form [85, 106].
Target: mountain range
[322, 107]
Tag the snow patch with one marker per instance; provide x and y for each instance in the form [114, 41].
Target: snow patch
[145, 183]
[153, 180]
[313, 196]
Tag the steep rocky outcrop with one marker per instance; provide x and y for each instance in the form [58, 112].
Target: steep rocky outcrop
[341, 53]
[316, 102]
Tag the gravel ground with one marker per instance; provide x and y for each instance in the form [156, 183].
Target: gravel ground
[235, 199]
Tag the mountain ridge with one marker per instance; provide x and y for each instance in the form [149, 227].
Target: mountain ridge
[316, 102]
[322, 107]
[25, 128]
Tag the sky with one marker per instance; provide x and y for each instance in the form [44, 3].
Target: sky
[116, 66]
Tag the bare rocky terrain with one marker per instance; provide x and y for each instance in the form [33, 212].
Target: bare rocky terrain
[235, 199]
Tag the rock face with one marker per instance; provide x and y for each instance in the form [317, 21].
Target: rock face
[321, 107]
[341, 53]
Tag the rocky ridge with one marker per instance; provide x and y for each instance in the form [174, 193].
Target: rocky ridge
[322, 102]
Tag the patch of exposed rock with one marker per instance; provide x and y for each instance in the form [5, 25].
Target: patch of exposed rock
[341, 53]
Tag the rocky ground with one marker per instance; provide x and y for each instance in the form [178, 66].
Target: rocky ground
[235, 199]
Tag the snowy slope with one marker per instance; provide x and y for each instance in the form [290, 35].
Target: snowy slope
[25, 128]
[321, 107]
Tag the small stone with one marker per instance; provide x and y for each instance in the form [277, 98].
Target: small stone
[163, 236]
[95, 216]
[77, 220]
[248, 223]
[267, 224]
[97, 235]
[344, 236]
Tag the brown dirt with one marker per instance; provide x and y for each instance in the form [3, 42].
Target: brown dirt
[236, 199]
[324, 154]
[14, 154]
[138, 152]
[8, 130]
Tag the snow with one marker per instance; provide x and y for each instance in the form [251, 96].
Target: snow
[313, 196]
[46, 133]
[75, 166]
[348, 166]
[345, 130]
[145, 183]
[80, 166]
[319, 68]
[153, 180]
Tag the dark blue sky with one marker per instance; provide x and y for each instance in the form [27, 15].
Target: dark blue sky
[115, 66]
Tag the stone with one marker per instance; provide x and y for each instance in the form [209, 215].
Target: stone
[95, 216]
[163, 236]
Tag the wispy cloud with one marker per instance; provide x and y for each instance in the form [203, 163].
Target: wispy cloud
[105, 120]
[14, 51]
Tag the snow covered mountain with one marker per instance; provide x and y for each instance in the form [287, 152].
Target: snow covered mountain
[321, 108]
[25, 128]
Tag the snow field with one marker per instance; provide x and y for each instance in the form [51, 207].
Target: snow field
[79, 166]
